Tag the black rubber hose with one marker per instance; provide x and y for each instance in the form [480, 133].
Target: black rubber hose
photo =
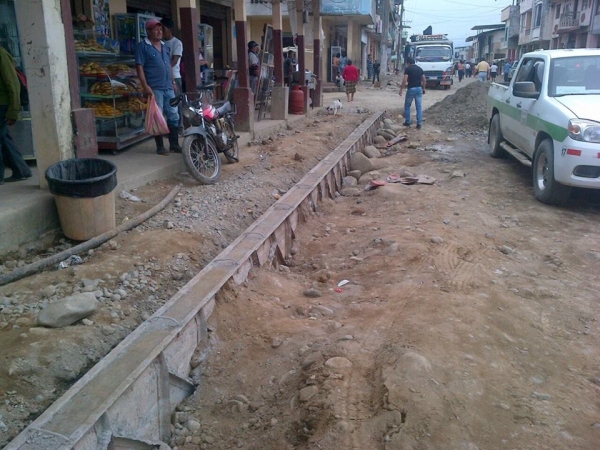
[35, 267]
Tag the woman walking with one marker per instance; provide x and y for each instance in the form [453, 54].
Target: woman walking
[350, 76]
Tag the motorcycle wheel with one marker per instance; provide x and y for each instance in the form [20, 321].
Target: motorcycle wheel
[201, 159]
[233, 153]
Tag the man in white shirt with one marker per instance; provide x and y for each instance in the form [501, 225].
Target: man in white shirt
[254, 65]
[176, 48]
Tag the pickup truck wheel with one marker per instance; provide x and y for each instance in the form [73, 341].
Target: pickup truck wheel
[545, 187]
[495, 138]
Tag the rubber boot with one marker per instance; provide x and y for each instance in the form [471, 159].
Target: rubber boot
[160, 147]
[174, 140]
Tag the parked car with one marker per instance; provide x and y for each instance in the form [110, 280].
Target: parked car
[548, 118]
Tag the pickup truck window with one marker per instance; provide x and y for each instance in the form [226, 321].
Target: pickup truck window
[532, 70]
[575, 76]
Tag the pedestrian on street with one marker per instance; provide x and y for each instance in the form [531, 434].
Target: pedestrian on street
[482, 70]
[468, 70]
[253, 65]
[350, 76]
[414, 80]
[335, 70]
[376, 70]
[369, 67]
[153, 67]
[493, 71]
[288, 68]
[507, 67]
[343, 61]
[461, 71]
[10, 108]
[176, 48]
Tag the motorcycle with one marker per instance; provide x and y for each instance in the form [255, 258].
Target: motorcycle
[211, 131]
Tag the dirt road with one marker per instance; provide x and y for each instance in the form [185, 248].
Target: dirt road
[469, 320]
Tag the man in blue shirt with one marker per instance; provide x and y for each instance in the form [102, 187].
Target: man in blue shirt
[153, 66]
[507, 67]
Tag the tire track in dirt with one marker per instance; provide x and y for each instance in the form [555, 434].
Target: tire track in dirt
[462, 266]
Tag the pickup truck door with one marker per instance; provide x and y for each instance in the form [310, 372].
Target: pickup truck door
[532, 69]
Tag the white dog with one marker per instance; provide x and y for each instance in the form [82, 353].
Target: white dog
[335, 106]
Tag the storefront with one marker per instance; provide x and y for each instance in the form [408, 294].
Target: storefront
[9, 39]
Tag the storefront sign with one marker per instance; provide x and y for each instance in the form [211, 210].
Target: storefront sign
[345, 7]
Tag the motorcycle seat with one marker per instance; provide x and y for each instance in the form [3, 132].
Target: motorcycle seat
[222, 107]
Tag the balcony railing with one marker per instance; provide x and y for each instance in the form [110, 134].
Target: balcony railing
[569, 20]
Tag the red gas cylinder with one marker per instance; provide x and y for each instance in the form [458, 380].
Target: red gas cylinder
[296, 101]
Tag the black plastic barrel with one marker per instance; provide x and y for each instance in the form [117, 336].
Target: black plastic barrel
[82, 188]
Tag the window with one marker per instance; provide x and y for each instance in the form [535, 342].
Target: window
[584, 5]
[537, 18]
[557, 16]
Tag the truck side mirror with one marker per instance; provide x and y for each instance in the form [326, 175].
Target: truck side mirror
[525, 89]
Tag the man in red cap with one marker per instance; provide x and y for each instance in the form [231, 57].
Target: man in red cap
[153, 66]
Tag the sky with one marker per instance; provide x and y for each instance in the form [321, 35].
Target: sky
[452, 17]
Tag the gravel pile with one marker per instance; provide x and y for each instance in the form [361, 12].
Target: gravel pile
[464, 111]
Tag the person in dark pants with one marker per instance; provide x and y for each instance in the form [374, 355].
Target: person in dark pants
[415, 81]
[461, 70]
[288, 68]
[507, 67]
[10, 108]
[153, 66]
[376, 70]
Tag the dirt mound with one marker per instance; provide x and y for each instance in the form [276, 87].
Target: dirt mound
[464, 111]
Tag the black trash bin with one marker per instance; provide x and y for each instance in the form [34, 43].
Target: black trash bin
[83, 190]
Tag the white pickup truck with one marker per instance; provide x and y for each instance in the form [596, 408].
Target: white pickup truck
[548, 117]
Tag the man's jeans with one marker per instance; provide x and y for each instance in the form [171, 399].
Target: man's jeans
[162, 97]
[482, 76]
[180, 106]
[416, 94]
[10, 155]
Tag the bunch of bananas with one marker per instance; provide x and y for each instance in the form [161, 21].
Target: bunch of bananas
[103, 109]
[121, 70]
[105, 88]
[91, 69]
[89, 46]
[137, 105]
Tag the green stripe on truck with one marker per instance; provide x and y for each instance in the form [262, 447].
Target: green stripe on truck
[556, 132]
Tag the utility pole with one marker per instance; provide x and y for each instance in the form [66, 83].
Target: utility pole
[399, 50]
[385, 12]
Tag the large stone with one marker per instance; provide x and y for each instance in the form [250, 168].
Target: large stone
[338, 363]
[369, 176]
[308, 392]
[361, 162]
[379, 140]
[371, 152]
[312, 293]
[311, 359]
[349, 181]
[350, 192]
[354, 173]
[69, 310]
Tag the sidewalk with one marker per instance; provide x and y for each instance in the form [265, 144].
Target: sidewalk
[27, 212]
